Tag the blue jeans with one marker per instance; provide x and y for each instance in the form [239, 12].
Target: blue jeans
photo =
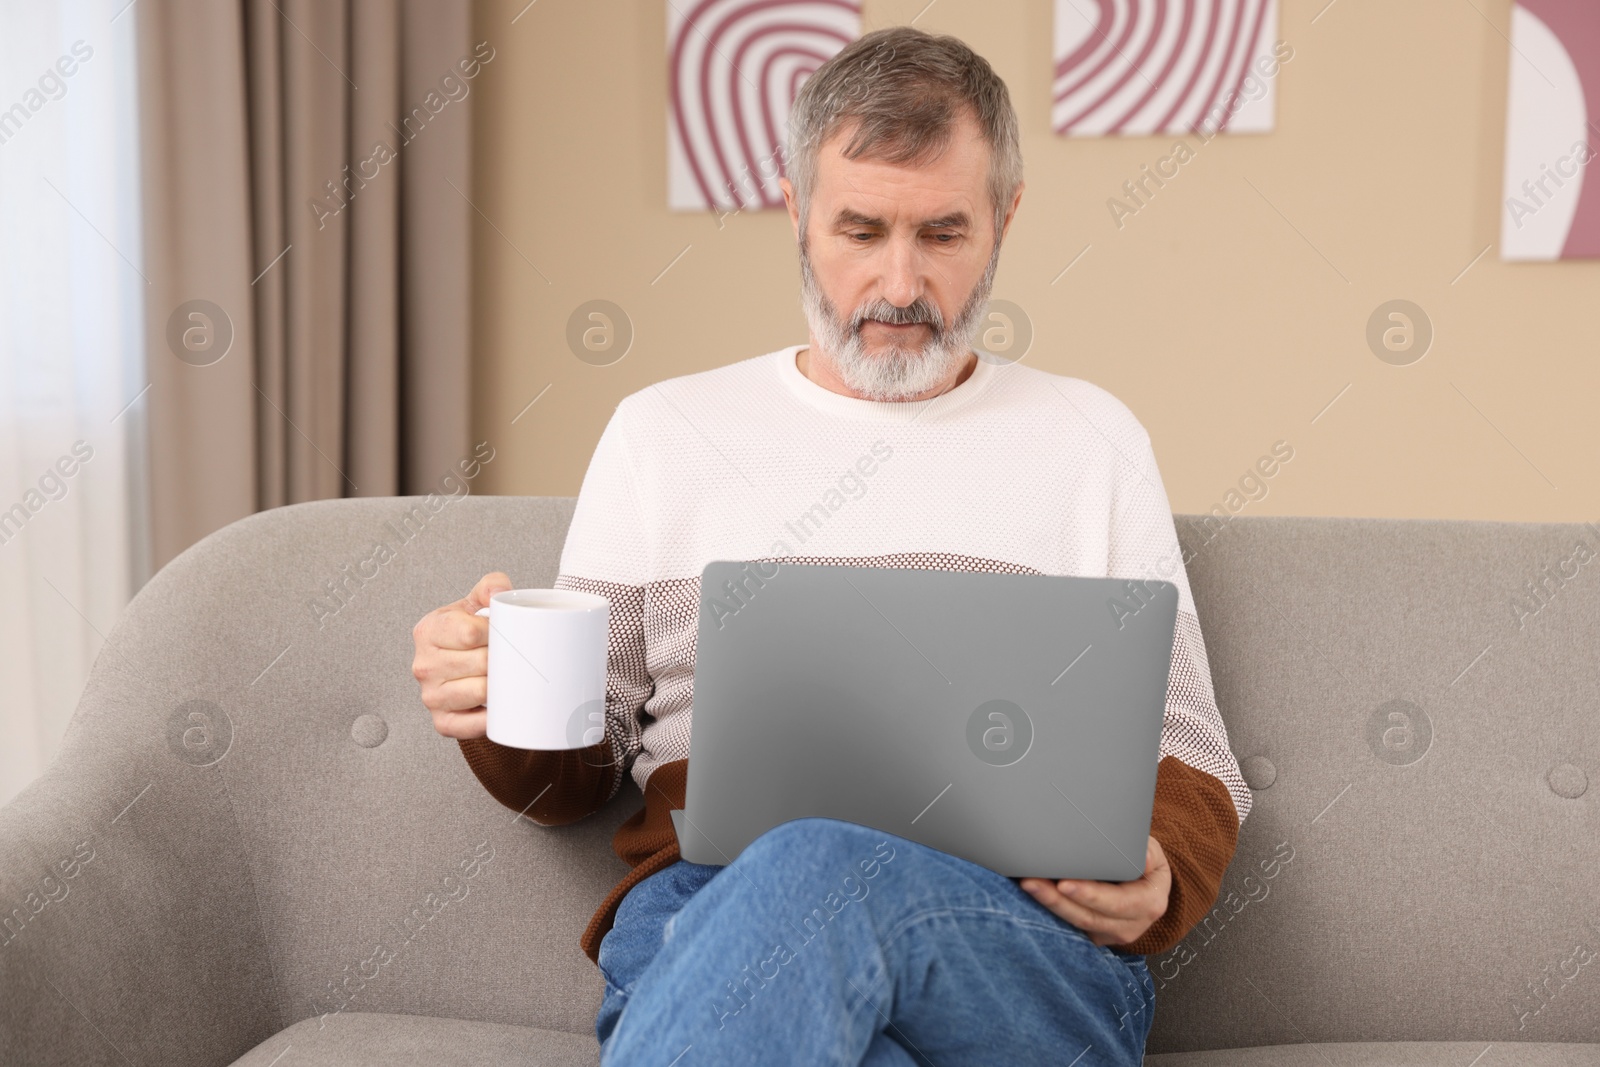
[826, 942]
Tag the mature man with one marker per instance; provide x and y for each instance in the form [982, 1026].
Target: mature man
[884, 441]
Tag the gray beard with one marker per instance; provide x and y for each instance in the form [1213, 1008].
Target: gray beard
[902, 371]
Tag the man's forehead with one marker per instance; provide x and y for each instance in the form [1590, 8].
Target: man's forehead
[941, 187]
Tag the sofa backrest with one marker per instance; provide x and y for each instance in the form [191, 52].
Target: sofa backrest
[1418, 725]
[1419, 863]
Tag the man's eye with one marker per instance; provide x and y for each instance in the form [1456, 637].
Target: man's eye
[946, 238]
[864, 236]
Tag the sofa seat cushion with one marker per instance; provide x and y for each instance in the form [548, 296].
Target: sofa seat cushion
[1390, 1054]
[359, 1039]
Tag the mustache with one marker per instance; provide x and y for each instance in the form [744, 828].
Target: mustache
[920, 310]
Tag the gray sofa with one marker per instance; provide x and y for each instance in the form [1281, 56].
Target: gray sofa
[254, 848]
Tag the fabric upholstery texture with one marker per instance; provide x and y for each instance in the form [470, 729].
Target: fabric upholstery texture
[1386, 1054]
[253, 824]
[366, 1039]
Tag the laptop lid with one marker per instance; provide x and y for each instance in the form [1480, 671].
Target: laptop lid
[1012, 720]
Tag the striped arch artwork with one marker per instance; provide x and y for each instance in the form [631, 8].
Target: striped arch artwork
[733, 68]
[1552, 190]
[1163, 67]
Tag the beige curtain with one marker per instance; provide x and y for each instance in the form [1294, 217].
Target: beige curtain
[306, 169]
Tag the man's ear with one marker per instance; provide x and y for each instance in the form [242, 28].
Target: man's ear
[790, 203]
[1011, 212]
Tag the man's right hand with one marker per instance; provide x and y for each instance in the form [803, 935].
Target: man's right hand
[452, 661]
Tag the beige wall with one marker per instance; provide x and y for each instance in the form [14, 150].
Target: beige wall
[1227, 313]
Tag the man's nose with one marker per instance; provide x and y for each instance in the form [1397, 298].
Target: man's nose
[902, 274]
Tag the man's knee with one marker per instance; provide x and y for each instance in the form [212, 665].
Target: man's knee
[819, 861]
[817, 839]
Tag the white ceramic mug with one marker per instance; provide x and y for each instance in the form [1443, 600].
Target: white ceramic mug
[547, 668]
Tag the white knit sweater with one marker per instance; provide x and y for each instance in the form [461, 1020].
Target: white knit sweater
[1014, 470]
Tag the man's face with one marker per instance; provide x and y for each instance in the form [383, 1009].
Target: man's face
[909, 251]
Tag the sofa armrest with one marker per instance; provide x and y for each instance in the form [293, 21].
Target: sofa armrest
[129, 928]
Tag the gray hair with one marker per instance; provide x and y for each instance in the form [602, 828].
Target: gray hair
[903, 90]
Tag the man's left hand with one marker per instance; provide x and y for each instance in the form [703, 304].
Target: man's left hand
[1111, 913]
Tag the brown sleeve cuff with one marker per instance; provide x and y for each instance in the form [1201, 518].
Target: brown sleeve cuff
[550, 787]
[1195, 822]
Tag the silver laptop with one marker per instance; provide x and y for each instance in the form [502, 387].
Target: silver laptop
[1011, 720]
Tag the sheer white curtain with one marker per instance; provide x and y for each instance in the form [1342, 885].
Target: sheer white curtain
[72, 540]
